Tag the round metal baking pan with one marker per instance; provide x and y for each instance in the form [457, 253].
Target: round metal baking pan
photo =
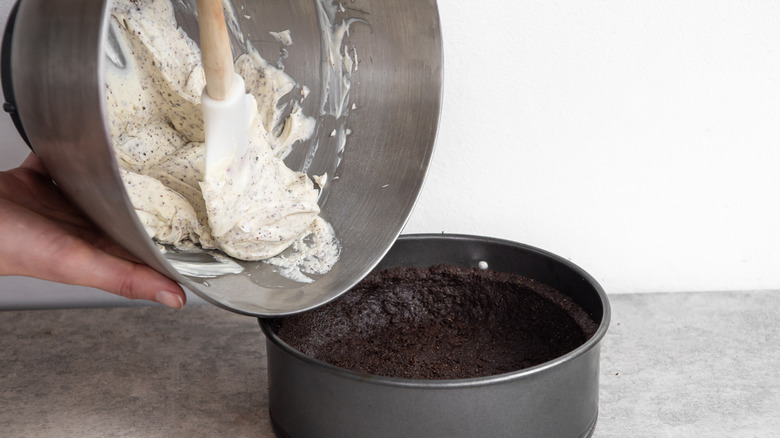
[558, 398]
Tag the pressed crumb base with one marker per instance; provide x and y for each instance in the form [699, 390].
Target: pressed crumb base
[442, 322]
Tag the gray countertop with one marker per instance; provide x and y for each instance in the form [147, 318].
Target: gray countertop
[677, 365]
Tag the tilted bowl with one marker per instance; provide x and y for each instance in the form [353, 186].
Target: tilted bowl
[53, 81]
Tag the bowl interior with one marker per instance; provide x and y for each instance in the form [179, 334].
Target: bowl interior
[374, 138]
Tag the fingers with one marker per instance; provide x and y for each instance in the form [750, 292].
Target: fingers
[30, 187]
[35, 246]
[97, 238]
[47, 238]
[106, 244]
[89, 266]
[32, 162]
[35, 191]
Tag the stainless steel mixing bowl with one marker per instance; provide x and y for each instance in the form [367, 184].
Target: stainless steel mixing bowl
[57, 54]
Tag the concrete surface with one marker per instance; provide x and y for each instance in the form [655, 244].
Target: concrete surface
[673, 365]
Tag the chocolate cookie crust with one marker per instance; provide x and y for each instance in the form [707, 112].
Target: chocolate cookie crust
[442, 322]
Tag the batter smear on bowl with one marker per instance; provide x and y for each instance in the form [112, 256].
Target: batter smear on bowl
[442, 322]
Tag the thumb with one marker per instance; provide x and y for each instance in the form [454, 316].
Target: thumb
[89, 266]
[137, 281]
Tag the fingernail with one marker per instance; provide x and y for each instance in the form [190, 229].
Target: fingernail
[170, 299]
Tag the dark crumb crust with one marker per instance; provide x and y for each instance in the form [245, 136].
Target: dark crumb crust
[442, 322]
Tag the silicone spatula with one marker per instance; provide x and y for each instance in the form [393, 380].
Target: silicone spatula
[226, 106]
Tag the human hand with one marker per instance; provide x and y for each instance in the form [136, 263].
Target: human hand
[46, 237]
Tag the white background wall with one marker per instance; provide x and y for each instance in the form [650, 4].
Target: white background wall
[639, 139]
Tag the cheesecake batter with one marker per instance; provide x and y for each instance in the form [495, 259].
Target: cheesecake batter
[259, 208]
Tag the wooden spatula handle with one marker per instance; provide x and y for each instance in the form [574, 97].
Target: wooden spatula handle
[215, 48]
